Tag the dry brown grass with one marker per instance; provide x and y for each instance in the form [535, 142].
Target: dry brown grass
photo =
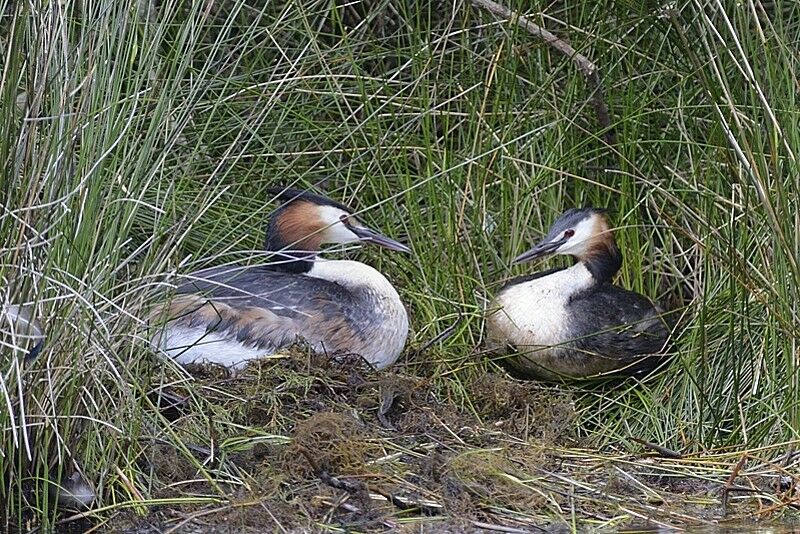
[370, 452]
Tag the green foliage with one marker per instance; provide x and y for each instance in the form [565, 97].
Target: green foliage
[139, 139]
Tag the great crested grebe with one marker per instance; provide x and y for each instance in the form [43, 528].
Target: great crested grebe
[570, 323]
[230, 315]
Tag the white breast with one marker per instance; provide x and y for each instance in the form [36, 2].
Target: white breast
[534, 313]
[391, 333]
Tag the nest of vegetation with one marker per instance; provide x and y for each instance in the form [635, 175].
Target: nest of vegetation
[300, 443]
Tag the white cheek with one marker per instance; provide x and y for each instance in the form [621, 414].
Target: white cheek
[575, 244]
[338, 233]
[582, 237]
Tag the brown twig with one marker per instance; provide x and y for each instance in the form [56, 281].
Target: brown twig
[337, 483]
[387, 401]
[348, 507]
[662, 451]
[407, 504]
[589, 69]
[361, 488]
[729, 485]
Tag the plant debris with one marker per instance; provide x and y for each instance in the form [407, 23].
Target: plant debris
[297, 440]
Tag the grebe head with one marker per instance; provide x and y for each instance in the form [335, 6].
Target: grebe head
[307, 221]
[585, 234]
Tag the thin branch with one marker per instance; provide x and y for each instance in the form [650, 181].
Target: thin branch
[425, 508]
[589, 69]
[359, 488]
[662, 451]
[729, 485]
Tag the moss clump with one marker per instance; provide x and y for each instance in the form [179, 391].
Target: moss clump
[332, 442]
[524, 409]
[493, 479]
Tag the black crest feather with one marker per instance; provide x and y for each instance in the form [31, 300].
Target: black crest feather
[290, 194]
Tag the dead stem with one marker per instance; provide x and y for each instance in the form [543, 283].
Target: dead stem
[408, 504]
[589, 69]
[662, 451]
[330, 480]
[729, 486]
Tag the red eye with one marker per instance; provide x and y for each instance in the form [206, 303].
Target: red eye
[569, 233]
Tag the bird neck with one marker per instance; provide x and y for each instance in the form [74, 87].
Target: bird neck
[293, 239]
[354, 275]
[286, 257]
[572, 280]
[603, 261]
[294, 262]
